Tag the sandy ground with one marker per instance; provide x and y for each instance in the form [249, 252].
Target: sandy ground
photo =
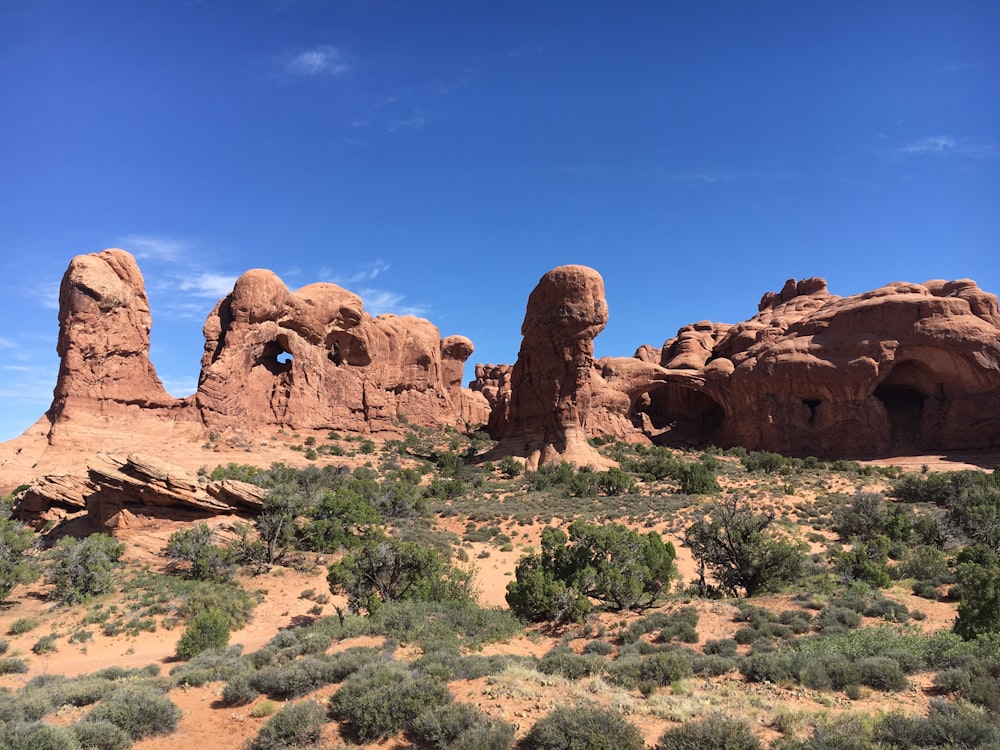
[519, 699]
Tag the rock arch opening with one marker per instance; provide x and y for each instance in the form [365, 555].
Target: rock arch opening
[671, 414]
[275, 357]
[904, 393]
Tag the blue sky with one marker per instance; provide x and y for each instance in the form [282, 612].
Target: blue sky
[439, 157]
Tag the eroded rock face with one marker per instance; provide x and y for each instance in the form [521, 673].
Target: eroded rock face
[104, 325]
[551, 384]
[314, 359]
[907, 368]
[119, 490]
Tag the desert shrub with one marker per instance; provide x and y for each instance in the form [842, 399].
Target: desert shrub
[46, 644]
[887, 609]
[139, 710]
[26, 706]
[978, 584]
[37, 736]
[382, 699]
[208, 629]
[865, 561]
[195, 553]
[834, 618]
[510, 467]
[611, 563]
[882, 673]
[714, 732]
[615, 482]
[764, 462]
[868, 516]
[100, 735]
[563, 662]
[460, 726]
[13, 665]
[79, 569]
[210, 666]
[799, 621]
[947, 725]
[15, 565]
[23, 625]
[697, 479]
[295, 725]
[293, 679]
[721, 646]
[926, 563]
[733, 543]
[83, 691]
[682, 625]
[713, 665]
[383, 570]
[583, 728]
[665, 667]
[598, 648]
[239, 690]
[954, 680]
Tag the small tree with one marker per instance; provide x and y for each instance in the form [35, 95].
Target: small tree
[385, 570]
[15, 566]
[611, 563]
[80, 569]
[205, 561]
[978, 584]
[208, 629]
[734, 544]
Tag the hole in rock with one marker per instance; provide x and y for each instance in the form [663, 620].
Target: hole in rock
[276, 357]
[903, 394]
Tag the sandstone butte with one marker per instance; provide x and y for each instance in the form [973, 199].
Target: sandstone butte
[906, 368]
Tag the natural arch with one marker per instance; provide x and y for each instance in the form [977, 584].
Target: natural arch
[275, 357]
[675, 415]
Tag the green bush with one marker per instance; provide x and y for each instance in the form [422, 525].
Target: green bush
[36, 736]
[460, 726]
[714, 732]
[100, 735]
[13, 666]
[383, 699]
[15, 566]
[611, 563]
[204, 560]
[79, 569]
[384, 570]
[583, 728]
[209, 629]
[139, 710]
[562, 661]
[697, 479]
[978, 585]
[295, 725]
[23, 625]
[46, 644]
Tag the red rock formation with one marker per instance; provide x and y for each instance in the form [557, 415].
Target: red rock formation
[104, 325]
[314, 359]
[552, 381]
[121, 490]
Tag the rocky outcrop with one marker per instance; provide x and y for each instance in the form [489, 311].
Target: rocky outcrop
[119, 489]
[551, 384]
[907, 368]
[314, 359]
[273, 358]
[104, 325]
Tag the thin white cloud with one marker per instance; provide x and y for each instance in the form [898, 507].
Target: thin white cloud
[48, 293]
[367, 273]
[946, 145]
[208, 285]
[415, 122]
[379, 301]
[149, 247]
[179, 387]
[6, 343]
[322, 61]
